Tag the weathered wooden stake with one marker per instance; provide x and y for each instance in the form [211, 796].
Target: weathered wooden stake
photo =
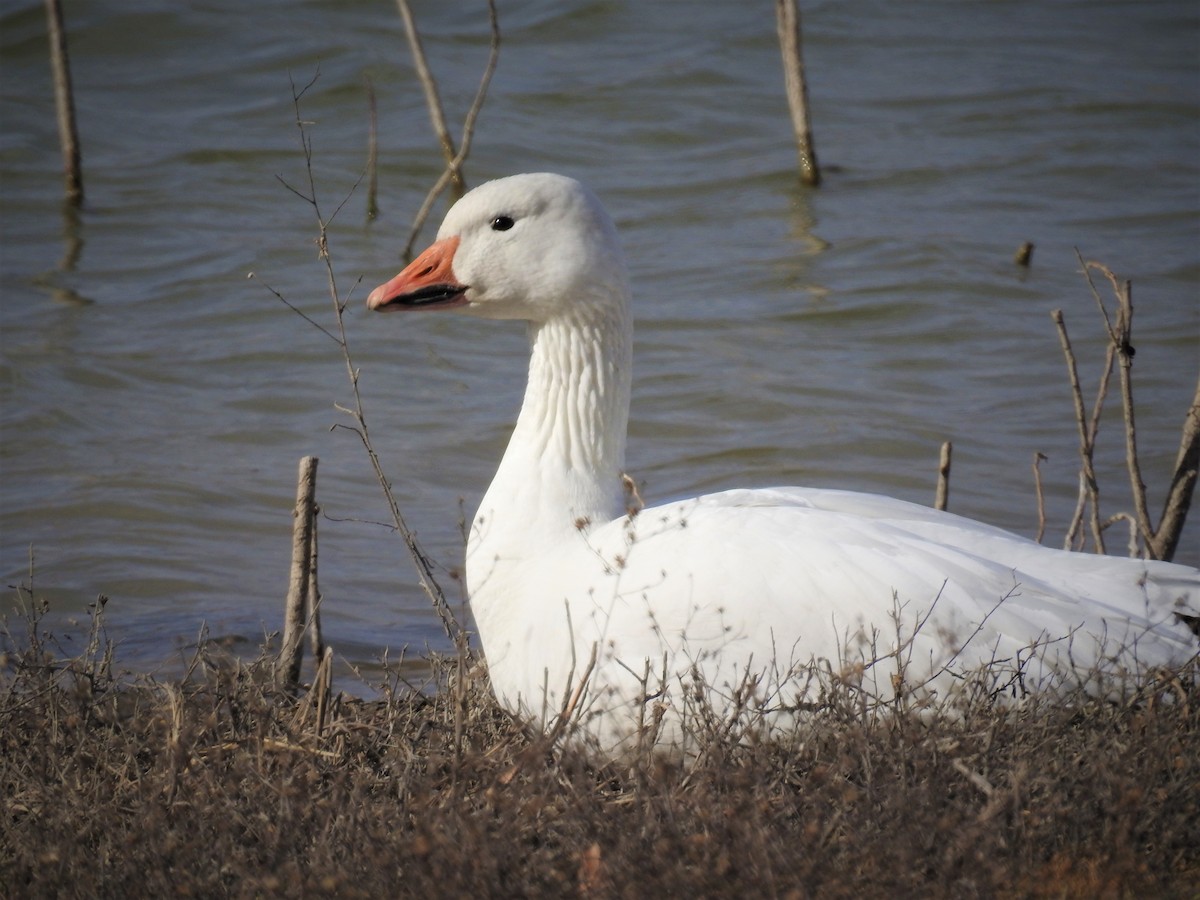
[787, 22]
[942, 496]
[64, 100]
[301, 588]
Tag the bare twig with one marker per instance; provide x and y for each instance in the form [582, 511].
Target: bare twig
[571, 702]
[1134, 531]
[1120, 335]
[787, 22]
[1160, 542]
[423, 564]
[1038, 458]
[1183, 483]
[454, 165]
[1087, 442]
[432, 100]
[307, 318]
[979, 782]
[942, 496]
[64, 100]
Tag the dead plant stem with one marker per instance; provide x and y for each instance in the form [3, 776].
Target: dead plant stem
[423, 564]
[454, 163]
[1087, 439]
[1183, 482]
[432, 99]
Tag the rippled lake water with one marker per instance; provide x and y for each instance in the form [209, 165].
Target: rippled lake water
[155, 401]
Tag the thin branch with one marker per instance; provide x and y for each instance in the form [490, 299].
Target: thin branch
[1109, 356]
[1134, 531]
[300, 194]
[1086, 439]
[1038, 458]
[1120, 336]
[432, 100]
[455, 164]
[425, 573]
[1160, 542]
[1183, 483]
[313, 322]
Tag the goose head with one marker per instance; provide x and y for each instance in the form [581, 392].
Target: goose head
[535, 247]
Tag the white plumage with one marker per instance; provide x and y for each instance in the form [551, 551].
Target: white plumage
[744, 588]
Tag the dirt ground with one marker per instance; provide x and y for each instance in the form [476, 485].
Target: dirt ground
[220, 784]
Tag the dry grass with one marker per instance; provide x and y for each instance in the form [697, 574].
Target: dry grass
[218, 784]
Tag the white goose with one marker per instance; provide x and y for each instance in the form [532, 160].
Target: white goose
[744, 589]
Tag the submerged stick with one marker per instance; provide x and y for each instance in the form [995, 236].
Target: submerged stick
[291, 654]
[787, 23]
[64, 101]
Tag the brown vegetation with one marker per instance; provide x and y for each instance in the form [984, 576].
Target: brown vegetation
[220, 784]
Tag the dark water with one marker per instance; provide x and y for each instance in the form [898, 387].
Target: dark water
[154, 401]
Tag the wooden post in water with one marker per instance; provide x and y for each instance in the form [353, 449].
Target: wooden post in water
[942, 496]
[787, 22]
[64, 100]
[301, 588]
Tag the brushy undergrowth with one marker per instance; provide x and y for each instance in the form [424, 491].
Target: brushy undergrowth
[219, 784]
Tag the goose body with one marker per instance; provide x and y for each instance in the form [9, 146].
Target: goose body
[750, 592]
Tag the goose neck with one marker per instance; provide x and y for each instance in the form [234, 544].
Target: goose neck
[568, 448]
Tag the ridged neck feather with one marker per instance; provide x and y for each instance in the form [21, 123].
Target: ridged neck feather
[564, 461]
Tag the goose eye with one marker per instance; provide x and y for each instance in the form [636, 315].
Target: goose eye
[502, 223]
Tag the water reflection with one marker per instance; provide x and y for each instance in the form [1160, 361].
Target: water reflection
[72, 232]
[51, 281]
